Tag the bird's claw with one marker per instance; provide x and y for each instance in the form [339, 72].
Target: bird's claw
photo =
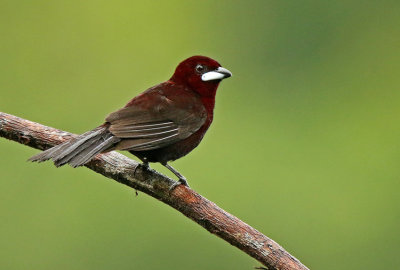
[181, 181]
[145, 165]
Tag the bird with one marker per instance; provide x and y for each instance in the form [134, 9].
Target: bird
[162, 124]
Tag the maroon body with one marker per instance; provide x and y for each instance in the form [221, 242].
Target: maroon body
[182, 96]
[162, 124]
[187, 92]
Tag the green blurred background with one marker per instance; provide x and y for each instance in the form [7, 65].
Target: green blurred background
[304, 145]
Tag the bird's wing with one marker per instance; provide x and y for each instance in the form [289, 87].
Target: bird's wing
[156, 122]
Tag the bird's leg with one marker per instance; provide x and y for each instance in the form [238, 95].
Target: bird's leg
[145, 163]
[182, 179]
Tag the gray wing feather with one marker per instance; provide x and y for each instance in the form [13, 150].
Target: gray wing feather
[142, 129]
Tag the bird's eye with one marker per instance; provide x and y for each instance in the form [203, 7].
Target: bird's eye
[199, 68]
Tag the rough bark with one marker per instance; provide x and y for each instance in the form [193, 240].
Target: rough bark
[126, 171]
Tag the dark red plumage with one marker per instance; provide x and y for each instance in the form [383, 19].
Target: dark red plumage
[162, 124]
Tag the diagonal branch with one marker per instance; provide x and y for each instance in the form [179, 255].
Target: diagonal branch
[126, 171]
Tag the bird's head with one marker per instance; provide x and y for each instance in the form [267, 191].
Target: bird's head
[201, 74]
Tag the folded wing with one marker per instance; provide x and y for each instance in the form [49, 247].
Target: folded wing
[156, 124]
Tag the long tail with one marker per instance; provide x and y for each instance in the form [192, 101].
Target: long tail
[79, 150]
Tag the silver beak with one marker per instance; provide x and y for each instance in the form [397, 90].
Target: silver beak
[218, 74]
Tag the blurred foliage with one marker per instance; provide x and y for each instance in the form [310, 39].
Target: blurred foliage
[304, 147]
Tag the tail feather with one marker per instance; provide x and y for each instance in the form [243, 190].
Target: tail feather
[79, 150]
[70, 151]
[88, 153]
[45, 155]
[72, 145]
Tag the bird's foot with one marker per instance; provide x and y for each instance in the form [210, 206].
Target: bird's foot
[181, 181]
[146, 165]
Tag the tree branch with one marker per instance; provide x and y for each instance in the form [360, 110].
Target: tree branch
[126, 171]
